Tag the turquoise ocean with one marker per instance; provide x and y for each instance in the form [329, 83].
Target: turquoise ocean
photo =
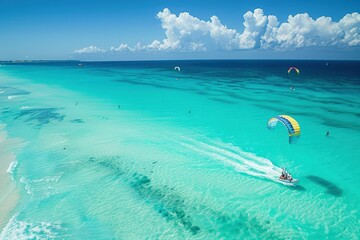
[138, 150]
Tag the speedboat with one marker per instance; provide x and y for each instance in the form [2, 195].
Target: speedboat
[290, 181]
[286, 178]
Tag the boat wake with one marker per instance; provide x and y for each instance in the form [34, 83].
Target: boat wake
[230, 155]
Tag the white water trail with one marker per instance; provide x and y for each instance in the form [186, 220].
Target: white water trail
[13, 96]
[244, 162]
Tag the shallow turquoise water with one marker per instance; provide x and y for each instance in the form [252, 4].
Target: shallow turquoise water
[136, 150]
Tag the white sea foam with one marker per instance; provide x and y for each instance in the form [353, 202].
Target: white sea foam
[13, 96]
[27, 187]
[12, 168]
[29, 107]
[19, 230]
[42, 187]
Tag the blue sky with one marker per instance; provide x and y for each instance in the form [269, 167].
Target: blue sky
[179, 29]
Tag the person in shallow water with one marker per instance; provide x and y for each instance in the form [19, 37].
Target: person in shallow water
[327, 133]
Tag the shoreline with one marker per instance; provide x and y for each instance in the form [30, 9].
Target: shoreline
[9, 193]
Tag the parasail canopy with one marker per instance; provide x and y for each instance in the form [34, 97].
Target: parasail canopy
[177, 68]
[295, 69]
[291, 125]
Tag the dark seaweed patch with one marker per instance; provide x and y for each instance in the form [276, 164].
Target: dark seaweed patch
[330, 187]
[203, 93]
[166, 204]
[4, 110]
[222, 100]
[173, 208]
[77, 120]
[152, 85]
[41, 115]
[234, 225]
[15, 91]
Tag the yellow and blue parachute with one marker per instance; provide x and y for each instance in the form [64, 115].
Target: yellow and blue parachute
[291, 124]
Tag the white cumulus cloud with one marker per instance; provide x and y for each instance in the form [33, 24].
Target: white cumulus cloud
[350, 28]
[255, 26]
[91, 49]
[186, 33]
[122, 48]
[303, 31]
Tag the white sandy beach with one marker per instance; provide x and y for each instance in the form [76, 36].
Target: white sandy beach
[9, 194]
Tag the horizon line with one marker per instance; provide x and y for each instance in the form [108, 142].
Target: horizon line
[163, 60]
